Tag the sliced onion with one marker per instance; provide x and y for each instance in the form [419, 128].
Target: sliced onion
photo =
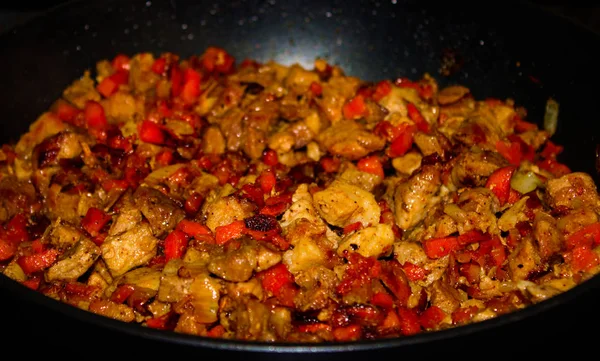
[525, 182]
[551, 116]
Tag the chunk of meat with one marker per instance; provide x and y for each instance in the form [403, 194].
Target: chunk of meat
[245, 317]
[349, 139]
[523, 260]
[143, 277]
[213, 141]
[130, 249]
[480, 207]
[572, 191]
[370, 242]
[123, 107]
[305, 255]
[45, 126]
[575, 220]
[82, 90]
[414, 197]
[62, 205]
[225, 210]
[116, 311]
[452, 94]
[162, 213]
[15, 197]
[408, 163]
[127, 217]
[335, 93]
[428, 144]
[444, 296]
[294, 136]
[237, 265]
[548, 237]
[300, 78]
[141, 77]
[63, 145]
[74, 262]
[473, 167]
[317, 284]
[341, 204]
[351, 175]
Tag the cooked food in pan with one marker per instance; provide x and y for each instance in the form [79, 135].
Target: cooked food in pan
[259, 201]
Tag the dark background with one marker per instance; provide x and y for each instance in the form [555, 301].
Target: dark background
[569, 329]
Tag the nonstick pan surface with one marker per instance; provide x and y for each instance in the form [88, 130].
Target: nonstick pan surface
[515, 51]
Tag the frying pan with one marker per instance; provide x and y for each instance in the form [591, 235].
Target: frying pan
[509, 49]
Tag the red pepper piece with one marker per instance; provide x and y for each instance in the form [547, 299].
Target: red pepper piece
[348, 333]
[193, 229]
[191, 86]
[151, 132]
[440, 247]
[371, 164]
[122, 293]
[330, 164]
[432, 317]
[16, 229]
[121, 62]
[274, 278]
[314, 327]
[415, 115]
[382, 89]
[316, 88]
[355, 108]
[270, 158]
[266, 180]
[464, 314]
[554, 167]
[511, 152]
[176, 77]
[499, 183]
[7, 249]
[551, 150]
[216, 332]
[159, 66]
[65, 111]
[352, 227]
[175, 245]
[409, 321]
[231, 231]
[165, 157]
[217, 60]
[95, 219]
[383, 300]
[403, 142]
[588, 235]
[582, 258]
[94, 115]
[414, 272]
[472, 236]
[37, 261]
[193, 203]
[162, 322]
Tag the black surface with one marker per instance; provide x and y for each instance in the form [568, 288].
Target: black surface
[503, 49]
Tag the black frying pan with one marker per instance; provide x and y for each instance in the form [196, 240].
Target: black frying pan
[509, 50]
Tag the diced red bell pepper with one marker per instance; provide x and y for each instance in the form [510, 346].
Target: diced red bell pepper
[330, 164]
[216, 332]
[16, 229]
[414, 272]
[231, 231]
[471, 271]
[161, 322]
[159, 66]
[37, 246]
[403, 142]
[121, 62]
[165, 157]
[472, 236]
[499, 183]
[176, 78]
[352, 227]
[316, 88]
[588, 235]
[7, 249]
[266, 180]
[38, 261]
[409, 321]
[109, 85]
[395, 279]
[382, 89]
[582, 258]
[274, 278]
[193, 229]
[314, 327]
[360, 271]
[347, 333]
[94, 115]
[95, 219]
[151, 132]
[551, 150]
[270, 158]
[65, 111]
[371, 164]
[415, 115]
[191, 86]
[464, 314]
[391, 323]
[122, 293]
[554, 167]
[383, 300]
[511, 151]
[175, 245]
[432, 317]
[110, 184]
[193, 203]
[32, 283]
[217, 60]
[523, 126]
[355, 108]
[440, 247]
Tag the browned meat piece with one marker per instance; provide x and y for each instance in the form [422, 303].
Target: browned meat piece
[231, 125]
[162, 213]
[479, 207]
[112, 310]
[444, 296]
[235, 266]
[317, 283]
[335, 93]
[224, 210]
[129, 250]
[452, 94]
[428, 144]
[255, 142]
[62, 205]
[295, 105]
[63, 145]
[141, 76]
[128, 215]
[75, 262]
[572, 191]
[15, 197]
[62, 235]
[296, 135]
[416, 196]
[213, 141]
[548, 237]
[575, 220]
[123, 107]
[349, 139]
[473, 167]
[245, 317]
[523, 260]
[82, 90]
